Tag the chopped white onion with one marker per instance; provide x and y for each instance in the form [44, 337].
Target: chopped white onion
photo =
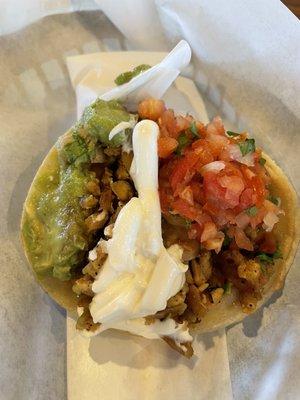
[248, 160]
[270, 220]
[242, 220]
[214, 166]
[118, 129]
[236, 154]
[122, 126]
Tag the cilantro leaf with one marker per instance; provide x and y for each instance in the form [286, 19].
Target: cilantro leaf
[183, 141]
[262, 161]
[274, 200]
[194, 130]
[234, 134]
[265, 258]
[252, 211]
[227, 287]
[226, 242]
[277, 254]
[269, 258]
[248, 146]
[76, 151]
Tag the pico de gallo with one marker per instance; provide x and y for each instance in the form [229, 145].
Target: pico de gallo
[215, 180]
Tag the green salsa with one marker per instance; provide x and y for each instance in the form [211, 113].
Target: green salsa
[128, 75]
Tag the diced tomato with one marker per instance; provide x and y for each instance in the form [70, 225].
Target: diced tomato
[212, 145]
[213, 198]
[165, 200]
[201, 128]
[214, 192]
[163, 132]
[246, 199]
[166, 146]
[212, 209]
[242, 220]
[203, 217]
[234, 186]
[182, 123]
[215, 127]
[166, 168]
[268, 243]
[184, 170]
[216, 144]
[204, 157]
[257, 156]
[242, 240]
[248, 173]
[168, 121]
[199, 143]
[222, 190]
[198, 193]
[220, 217]
[187, 195]
[151, 109]
[185, 209]
[259, 189]
[209, 231]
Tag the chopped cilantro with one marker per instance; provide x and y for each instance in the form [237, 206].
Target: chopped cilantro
[277, 253]
[274, 200]
[194, 129]
[183, 141]
[262, 161]
[234, 134]
[265, 258]
[248, 146]
[77, 150]
[252, 211]
[226, 241]
[269, 258]
[227, 287]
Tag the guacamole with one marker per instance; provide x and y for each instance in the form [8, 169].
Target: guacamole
[101, 117]
[54, 230]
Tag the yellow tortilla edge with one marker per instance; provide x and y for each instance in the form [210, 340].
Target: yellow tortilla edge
[225, 313]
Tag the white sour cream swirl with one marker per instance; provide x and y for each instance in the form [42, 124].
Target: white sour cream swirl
[140, 274]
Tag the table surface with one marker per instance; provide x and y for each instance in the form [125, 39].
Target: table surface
[294, 6]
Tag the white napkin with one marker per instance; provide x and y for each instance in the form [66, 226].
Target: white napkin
[88, 80]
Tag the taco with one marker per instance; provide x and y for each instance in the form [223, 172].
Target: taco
[157, 224]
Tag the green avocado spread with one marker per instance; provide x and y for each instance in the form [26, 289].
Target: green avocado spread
[53, 227]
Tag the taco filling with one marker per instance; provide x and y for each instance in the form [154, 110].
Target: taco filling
[173, 216]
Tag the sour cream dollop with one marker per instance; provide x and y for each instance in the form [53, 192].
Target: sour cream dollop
[140, 274]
